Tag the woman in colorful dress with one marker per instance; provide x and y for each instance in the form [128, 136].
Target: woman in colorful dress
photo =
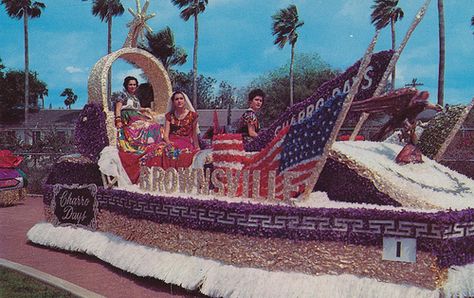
[137, 133]
[180, 135]
[181, 127]
[135, 125]
[249, 125]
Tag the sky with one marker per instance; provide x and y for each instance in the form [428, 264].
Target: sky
[236, 44]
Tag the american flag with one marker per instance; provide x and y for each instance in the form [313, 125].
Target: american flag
[295, 151]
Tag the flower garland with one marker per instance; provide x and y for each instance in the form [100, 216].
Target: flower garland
[74, 173]
[458, 251]
[91, 132]
[439, 129]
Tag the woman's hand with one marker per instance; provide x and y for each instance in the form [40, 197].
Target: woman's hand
[118, 122]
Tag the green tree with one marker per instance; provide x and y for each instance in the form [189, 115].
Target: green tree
[25, 9]
[184, 82]
[106, 10]
[385, 12]
[225, 96]
[71, 98]
[285, 23]
[12, 86]
[442, 52]
[192, 8]
[162, 45]
[310, 72]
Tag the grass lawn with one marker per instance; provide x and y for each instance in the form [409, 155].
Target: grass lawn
[15, 284]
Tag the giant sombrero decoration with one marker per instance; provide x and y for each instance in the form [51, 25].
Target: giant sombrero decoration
[151, 66]
[251, 229]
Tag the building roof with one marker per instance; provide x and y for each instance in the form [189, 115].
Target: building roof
[206, 117]
[47, 118]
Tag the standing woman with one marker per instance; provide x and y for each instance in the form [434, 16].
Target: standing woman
[249, 125]
[181, 126]
[136, 129]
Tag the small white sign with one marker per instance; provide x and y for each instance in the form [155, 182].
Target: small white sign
[399, 249]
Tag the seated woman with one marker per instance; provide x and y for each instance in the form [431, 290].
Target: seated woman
[249, 125]
[180, 135]
[135, 127]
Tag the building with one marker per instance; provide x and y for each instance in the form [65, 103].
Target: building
[42, 123]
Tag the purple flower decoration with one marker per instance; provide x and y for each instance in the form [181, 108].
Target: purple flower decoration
[91, 131]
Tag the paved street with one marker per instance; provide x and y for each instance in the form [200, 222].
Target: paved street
[82, 270]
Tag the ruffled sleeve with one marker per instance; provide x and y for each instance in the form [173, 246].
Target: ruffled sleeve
[122, 97]
[249, 117]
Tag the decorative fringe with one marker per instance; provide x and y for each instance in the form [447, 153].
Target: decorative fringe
[213, 278]
[460, 281]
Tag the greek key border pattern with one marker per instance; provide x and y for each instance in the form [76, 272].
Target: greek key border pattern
[385, 227]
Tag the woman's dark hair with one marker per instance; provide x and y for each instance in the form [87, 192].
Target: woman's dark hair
[128, 79]
[176, 92]
[256, 92]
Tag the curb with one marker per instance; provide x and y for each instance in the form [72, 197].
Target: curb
[50, 279]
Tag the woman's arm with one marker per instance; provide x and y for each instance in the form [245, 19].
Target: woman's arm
[166, 134]
[252, 131]
[195, 135]
[118, 118]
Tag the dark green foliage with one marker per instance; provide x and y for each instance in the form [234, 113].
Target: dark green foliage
[106, 9]
[384, 12]
[162, 45]
[310, 73]
[12, 88]
[285, 23]
[71, 98]
[205, 86]
[190, 7]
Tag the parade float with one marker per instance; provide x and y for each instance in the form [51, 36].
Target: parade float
[13, 181]
[295, 213]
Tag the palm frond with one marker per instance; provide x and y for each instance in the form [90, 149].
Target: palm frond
[285, 23]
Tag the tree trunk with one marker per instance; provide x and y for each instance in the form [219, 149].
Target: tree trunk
[195, 103]
[109, 50]
[441, 53]
[27, 65]
[392, 27]
[292, 59]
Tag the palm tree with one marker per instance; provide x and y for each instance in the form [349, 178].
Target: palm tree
[385, 12]
[192, 8]
[18, 9]
[106, 10]
[285, 23]
[442, 53]
[162, 45]
[71, 98]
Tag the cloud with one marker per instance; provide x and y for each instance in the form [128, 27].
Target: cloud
[73, 69]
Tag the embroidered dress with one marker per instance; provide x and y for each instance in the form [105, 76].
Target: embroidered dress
[181, 153]
[138, 130]
[181, 130]
[248, 118]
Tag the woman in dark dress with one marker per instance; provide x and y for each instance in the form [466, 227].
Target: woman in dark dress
[249, 126]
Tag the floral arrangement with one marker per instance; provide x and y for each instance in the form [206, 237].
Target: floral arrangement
[91, 132]
[74, 173]
[439, 129]
[357, 189]
[379, 62]
[456, 251]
